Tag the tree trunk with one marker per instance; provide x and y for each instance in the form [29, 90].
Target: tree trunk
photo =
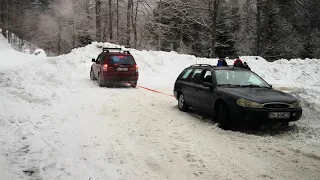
[8, 21]
[98, 20]
[265, 27]
[258, 28]
[128, 21]
[135, 26]
[159, 27]
[181, 36]
[213, 8]
[73, 24]
[117, 21]
[59, 34]
[87, 10]
[2, 12]
[110, 20]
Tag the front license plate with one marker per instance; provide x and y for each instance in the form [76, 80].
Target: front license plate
[279, 115]
[122, 69]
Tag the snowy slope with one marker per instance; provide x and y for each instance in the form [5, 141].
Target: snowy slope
[55, 123]
[11, 58]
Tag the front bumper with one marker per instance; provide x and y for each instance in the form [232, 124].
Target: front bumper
[261, 116]
[175, 93]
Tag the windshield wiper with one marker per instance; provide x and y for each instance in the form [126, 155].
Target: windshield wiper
[229, 85]
[253, 85]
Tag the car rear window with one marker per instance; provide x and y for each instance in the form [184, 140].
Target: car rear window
[121, 60]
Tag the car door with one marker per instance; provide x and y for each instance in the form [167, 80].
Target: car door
[189, 85]
[96, 66]
[204, 95]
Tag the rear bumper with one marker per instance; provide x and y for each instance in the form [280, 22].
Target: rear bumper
[241, 115]
[107, 78]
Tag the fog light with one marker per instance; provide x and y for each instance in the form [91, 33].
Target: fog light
[294, 114]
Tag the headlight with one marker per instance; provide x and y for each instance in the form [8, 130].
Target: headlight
[296, 104]
[246, 103]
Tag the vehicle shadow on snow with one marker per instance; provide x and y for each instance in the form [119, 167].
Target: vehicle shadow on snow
[118, 85]
[267, 130]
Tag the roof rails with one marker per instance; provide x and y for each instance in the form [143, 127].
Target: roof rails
[119, 49]
[201, 65]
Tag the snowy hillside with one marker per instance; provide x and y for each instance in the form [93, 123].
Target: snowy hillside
[10, 57]
[58, 124]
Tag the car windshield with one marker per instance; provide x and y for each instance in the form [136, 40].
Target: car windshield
[239, 78]
[121, 60]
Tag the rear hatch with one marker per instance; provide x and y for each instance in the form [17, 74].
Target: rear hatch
[122, 65]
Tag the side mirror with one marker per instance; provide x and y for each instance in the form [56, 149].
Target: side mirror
[206, 84]
[93, 60]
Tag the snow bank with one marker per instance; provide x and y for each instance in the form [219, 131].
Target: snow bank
[40, 53]
[155, 66]
[296, 72]
[10, 57]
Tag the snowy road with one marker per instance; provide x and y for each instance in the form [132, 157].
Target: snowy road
[125, 133]
[57, 124]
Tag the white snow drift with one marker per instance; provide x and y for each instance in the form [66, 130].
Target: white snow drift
[55, 123]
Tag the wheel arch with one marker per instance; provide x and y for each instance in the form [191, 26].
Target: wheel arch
[217, 104]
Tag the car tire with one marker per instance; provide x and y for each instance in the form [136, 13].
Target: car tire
[182, 105]
[92, 75]
[100, 83]
[223, 117]
[134, 85]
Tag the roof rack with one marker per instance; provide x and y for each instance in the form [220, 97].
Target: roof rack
[201, 65]
[119, 49]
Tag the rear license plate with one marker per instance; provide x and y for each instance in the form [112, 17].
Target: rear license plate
[279, 115]
[122, 69]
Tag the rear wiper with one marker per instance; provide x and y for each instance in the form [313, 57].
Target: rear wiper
[253, 85]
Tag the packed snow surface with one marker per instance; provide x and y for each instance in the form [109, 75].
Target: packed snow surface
[55, 123]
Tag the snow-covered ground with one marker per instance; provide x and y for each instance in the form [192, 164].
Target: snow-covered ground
[55, 123]
[9, 58]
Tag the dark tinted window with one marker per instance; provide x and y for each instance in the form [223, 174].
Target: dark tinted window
[121, 60]
[207, 76]
[196, 75]
[100, 57]
[185, 74]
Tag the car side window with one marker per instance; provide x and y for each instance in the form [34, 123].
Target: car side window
[195, 78]
[185, 74]
[100, 58]
[206, 76]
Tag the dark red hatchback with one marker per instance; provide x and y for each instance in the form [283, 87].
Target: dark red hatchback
[111, 68]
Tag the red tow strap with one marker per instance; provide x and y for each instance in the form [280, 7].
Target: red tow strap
[152, 90]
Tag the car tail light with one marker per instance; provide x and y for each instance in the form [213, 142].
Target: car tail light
[136, 68]
[105, 67]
